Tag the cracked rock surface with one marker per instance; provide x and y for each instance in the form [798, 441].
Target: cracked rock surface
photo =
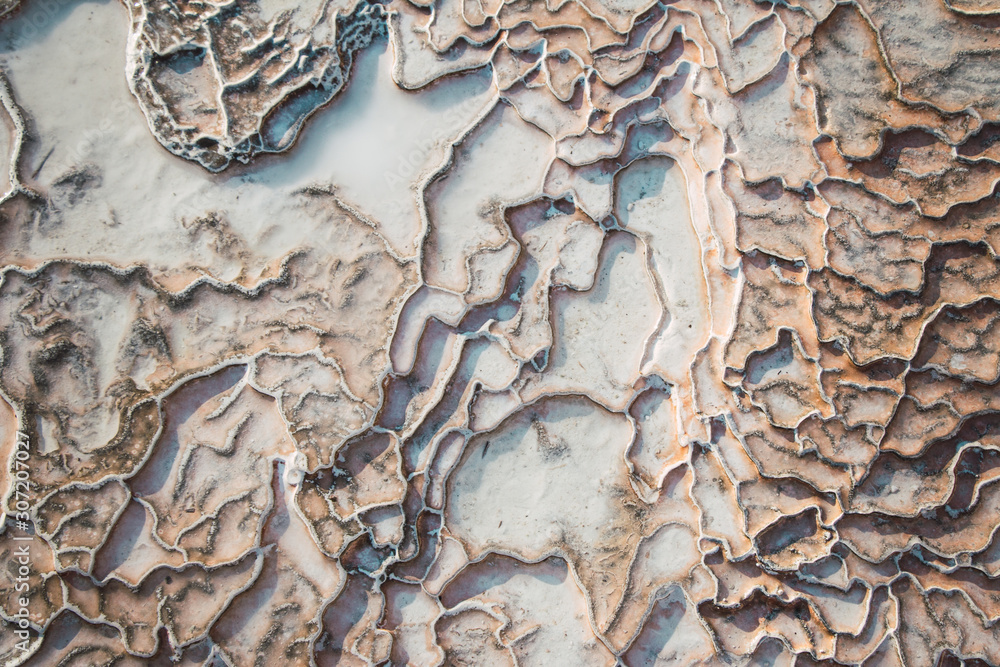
[485, 332]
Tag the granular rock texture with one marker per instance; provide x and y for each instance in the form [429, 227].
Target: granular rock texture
[228, 80]
[471, 332]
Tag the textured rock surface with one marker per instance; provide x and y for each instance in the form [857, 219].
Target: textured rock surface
[440, 332]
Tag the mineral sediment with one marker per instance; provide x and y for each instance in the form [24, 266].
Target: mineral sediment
[440, 332]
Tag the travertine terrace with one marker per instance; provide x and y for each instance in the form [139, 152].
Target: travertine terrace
[472, 332]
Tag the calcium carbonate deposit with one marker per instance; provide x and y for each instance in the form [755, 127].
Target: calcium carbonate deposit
[559, 333]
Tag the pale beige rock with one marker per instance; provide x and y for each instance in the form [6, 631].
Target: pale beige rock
[468, 332]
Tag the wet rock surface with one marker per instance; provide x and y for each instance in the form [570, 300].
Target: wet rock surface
[440, 332]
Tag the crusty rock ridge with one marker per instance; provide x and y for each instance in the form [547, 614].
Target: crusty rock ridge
[588, 332]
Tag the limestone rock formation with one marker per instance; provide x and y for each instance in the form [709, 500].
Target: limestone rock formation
[470, 332]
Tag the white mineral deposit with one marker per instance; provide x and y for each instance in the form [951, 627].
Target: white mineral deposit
[496, 333]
